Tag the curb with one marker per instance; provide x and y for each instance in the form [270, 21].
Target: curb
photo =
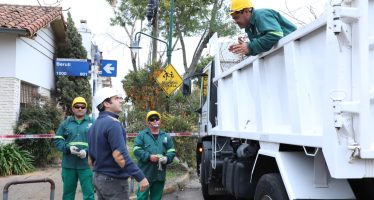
[179, 183]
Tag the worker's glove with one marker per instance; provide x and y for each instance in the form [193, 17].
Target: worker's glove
[82, 154]
[74, 150]
[163, 160]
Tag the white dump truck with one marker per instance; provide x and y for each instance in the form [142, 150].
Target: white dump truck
[296, 122]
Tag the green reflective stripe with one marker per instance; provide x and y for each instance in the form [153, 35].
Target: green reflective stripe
[135, 148]
[78, 143]
[277, 33]
[59, 137]
[171, 150]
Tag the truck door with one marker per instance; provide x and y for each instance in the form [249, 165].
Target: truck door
[208, 101]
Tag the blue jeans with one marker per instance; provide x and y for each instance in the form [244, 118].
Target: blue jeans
[110, 188]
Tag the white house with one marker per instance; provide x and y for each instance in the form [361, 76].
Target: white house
[29, 37]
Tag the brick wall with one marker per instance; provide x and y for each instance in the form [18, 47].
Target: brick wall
[9, 104]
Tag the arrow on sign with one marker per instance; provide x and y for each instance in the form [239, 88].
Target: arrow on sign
[108, 69]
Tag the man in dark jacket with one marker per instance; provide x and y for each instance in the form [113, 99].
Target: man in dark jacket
[264, 27]
[154, 149]
[71, 141]
[107, 150]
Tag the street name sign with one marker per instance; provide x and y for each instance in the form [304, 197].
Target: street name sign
[71, 67]
[169, 79]
[108, 68]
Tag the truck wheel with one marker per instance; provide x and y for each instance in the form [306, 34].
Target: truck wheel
[271, 187]
[204, 167]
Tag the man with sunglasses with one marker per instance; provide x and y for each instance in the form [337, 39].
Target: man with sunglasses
[154, 149]
[107, 150]
[264, 27]
[71, 140]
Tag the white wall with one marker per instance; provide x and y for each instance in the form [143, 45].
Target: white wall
[7, 55]
[9, 104]
[34, 59]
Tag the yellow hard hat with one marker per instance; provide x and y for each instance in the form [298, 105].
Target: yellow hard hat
[79, 100]
[238, 5]
[152, 112]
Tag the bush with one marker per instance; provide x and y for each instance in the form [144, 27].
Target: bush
[37, 119]
[14, 161]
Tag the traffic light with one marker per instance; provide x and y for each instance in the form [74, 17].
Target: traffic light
[186, 87]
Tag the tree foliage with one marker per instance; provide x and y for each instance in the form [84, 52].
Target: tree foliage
[69, 87]
[191, 18]
[38, 118]
[178, 112]
[128, 14]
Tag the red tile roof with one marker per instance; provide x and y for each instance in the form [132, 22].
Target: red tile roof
[26, 17]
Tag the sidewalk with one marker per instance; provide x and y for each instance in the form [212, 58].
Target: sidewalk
[41, 191]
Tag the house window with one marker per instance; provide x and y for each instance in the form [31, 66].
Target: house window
[29, 94]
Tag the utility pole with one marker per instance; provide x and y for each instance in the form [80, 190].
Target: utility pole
[170, 34]
[95, 63]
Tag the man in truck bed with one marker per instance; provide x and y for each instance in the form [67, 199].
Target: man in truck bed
[264, 27]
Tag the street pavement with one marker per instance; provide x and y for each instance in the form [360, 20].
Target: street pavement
[42, 191]
[35, 191]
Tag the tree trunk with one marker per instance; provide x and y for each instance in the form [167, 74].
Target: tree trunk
[154, 41]
[180, 35]
[205, 40]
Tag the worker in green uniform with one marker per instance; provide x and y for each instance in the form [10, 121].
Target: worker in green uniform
[71, 140]
[154, 149]
[264, 27]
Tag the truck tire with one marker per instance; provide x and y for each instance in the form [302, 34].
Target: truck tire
[204, 167]
[271, 187]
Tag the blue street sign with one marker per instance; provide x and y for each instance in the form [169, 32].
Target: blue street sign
[71, 67]
[108, 68]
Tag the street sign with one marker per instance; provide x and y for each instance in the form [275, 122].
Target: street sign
[169, 79]
[71, 67]
[108, 68]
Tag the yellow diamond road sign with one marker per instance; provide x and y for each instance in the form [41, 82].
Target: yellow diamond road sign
[169, 79]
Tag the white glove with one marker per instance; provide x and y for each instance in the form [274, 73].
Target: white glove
[74, 150]
[82, 154]
[163, 160]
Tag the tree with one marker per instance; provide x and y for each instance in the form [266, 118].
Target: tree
[68, 87]
[208, 17]
[203, 19]
[128, 15]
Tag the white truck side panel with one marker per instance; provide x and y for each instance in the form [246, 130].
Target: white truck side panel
[315, 88]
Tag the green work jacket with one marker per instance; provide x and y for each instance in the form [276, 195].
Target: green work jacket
[265, 29]
[145, 145]
[73, 133]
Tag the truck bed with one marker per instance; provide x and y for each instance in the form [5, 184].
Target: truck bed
[315, 88]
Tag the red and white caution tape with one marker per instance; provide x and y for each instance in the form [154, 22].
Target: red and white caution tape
[27, 136]
[50, 136]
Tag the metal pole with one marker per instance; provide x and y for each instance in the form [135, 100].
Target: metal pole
[7, 185]
[170, 35]
[137, 33]
[94, 79]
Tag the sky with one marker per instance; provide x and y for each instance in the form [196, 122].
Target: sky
[98, 14]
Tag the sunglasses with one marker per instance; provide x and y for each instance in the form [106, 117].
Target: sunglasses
[236, 12]
[81, 107]
[151, 119]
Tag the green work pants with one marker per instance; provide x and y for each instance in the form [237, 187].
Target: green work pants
[155, 190]
[70, 178]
